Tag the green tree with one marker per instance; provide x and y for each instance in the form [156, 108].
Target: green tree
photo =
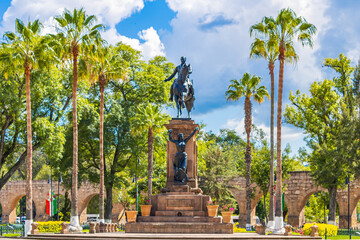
[26, 47]
[219, 167]
[103, 64]
[76, 28]
[324, 115]
[284, 29]
[150, 119]
[247, 87]
[266, 46]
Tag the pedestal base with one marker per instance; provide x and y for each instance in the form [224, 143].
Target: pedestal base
[179, 227]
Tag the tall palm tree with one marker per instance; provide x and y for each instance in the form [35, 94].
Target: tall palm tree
[247, 86]
[284, 29]
[150, 119]
[102, 65]
[76, 29]
[267, 47]
[27, 49]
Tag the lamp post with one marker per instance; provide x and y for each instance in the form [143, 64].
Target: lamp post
[347, 181]
[58, 198]
[324, 208]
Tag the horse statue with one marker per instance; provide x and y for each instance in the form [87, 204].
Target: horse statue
[184, 91]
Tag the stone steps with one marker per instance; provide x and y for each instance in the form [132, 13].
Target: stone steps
[138, 236]
[179, 227]
[178, 219]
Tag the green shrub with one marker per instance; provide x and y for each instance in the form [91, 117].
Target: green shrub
[50, 226]
[331, 229]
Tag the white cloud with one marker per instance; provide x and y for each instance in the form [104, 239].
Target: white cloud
[108, 12]
[151, 47]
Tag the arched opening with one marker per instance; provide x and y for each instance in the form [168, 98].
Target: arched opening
[262, 209]
[21, 210]
[63, 207]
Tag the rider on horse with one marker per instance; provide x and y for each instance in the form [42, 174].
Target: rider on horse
[177, 70]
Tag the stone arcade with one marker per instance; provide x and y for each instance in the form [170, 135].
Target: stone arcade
[181, 207]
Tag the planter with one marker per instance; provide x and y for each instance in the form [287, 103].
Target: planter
[131, 216]
[145, 210]
[212, 210]
[226, 216]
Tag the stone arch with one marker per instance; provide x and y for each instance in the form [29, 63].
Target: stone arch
[83, 206]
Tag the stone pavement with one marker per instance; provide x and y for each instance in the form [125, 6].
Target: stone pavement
[136, 236]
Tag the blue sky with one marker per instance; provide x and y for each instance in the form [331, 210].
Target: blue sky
[214, 36]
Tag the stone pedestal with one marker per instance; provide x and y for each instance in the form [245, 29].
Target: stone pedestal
[181, 207]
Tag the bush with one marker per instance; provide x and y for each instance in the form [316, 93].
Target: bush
[50, 226]
[331, 229]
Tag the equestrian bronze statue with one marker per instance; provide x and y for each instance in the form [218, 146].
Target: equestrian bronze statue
[182, 88]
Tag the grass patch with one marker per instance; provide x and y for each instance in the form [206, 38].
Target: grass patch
[12, 235]
[342, 237]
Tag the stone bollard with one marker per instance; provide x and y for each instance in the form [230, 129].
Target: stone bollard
[64, 228]
[260, 229]
[34, 228]
[108, 227]
[112, 227]
[102, 227]
[97, 227]
[92, 227]
[314, 231]
[115, 227]
[288, 230]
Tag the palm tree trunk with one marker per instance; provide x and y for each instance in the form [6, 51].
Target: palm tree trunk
[74, 190]
[271, 200]
[248, 159]
[29, 212]
[150, 160]
[101, 194]
[266, 216]
[278, 210]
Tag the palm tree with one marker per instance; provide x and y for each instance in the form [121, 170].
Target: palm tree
[76, 29]
[26, 47]
[247, 86]
[267, 47]
[103, 64]
[149, 118]
[284, 29]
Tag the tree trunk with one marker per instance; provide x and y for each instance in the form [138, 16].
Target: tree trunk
[29, 212]
[271, 200]
[332, 205]
[109, 199]
[74, 190]
[278, 210]
[248, 159]
[101, 140]
[150, 161]
[266, 216]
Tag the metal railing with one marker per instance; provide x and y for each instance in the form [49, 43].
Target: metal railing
[12, 229]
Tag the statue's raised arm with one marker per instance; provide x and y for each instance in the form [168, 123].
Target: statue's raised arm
[192, 134]
[170, 138]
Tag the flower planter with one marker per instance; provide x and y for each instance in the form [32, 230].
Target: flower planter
[145, 210]
[212, 210]
[131, 216]
[226, 216]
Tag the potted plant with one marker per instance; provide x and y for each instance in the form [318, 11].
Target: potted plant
[226, 213]
[131, 214]
[146, 207]
[212, 208]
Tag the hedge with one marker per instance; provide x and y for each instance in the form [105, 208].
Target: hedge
[331, 229]
[50, 226]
